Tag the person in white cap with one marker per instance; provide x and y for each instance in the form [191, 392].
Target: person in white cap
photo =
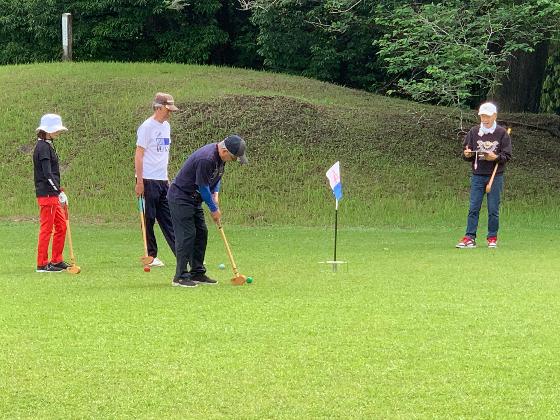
[151, 161]
[50, 196]
[486, 146]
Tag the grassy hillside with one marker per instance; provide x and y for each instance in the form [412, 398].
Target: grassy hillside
[400, 160]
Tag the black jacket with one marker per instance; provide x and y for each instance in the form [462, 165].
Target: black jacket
[46, 169]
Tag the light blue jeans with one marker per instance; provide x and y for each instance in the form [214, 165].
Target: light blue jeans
[478, 189]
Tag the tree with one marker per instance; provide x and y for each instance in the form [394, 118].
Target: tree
[330, 40]
[128, 30]
[520, 88]
[241, 48]
[29, 31]
[456, 52]
[142, 30]
[550, 100]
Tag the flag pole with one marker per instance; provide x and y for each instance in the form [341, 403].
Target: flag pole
[335, 234]
[333, 175]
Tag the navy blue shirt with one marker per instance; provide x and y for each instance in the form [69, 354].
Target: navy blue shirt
[204, 168]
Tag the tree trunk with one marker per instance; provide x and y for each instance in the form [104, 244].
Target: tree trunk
[520, 90]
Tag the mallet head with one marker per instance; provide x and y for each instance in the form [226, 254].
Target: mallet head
[146, 260]
[74, 269]
[239, 280]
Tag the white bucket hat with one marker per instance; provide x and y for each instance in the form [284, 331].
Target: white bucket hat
[51, 123]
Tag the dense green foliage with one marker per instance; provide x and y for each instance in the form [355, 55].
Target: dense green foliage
[550, 101]
[414, 329]
[312, 39]
[400, 160]
[29, 31]
[131, 30]
[450, 51]
[146, 30]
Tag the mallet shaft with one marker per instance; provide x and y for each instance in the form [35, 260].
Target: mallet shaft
[72, 258]
[228, 250]
[146, 260]
[489, 185]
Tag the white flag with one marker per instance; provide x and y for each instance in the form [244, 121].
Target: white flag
[333, 174]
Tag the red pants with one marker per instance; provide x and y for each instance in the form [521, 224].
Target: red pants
[53, 223]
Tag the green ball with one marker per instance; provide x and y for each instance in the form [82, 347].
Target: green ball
[249, 279]
[221, 266]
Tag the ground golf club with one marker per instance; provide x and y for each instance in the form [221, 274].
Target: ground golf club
[146, 259]
[237, 279]
[73, 269]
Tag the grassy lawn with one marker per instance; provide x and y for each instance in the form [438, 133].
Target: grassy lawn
[414, 329]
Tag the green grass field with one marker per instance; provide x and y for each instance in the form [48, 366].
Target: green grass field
[414, 329]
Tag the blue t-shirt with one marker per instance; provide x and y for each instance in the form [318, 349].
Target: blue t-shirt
[204, 168]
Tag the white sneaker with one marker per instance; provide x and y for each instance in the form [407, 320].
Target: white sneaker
[157, 263]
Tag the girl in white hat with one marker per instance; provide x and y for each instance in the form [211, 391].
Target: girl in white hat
[50, 196]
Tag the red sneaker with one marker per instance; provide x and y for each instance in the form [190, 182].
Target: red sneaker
[466, 242]
[492, 242]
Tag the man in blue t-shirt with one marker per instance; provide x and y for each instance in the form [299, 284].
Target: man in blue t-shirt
[199, 181]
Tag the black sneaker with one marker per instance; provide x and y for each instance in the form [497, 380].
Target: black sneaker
[204, 279]
[183, 282]
[49, 268]
[62, 264]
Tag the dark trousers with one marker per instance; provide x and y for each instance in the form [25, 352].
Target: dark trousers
[191, 236]
[157, 208]
[478, 189]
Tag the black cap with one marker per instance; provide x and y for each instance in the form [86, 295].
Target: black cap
[236, 146]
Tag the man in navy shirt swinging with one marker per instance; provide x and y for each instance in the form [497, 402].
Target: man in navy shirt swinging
[199, 181]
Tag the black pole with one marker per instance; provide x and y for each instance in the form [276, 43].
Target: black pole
[335, 235]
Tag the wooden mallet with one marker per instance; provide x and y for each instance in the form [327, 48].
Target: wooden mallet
[489, 185]
[146, 259]
[238, 279]
[73, 269]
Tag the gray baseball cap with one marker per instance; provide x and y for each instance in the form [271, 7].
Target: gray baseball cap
[236, 146]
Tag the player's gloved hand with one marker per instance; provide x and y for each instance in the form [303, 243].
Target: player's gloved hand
[468, 152]
[62, 199]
